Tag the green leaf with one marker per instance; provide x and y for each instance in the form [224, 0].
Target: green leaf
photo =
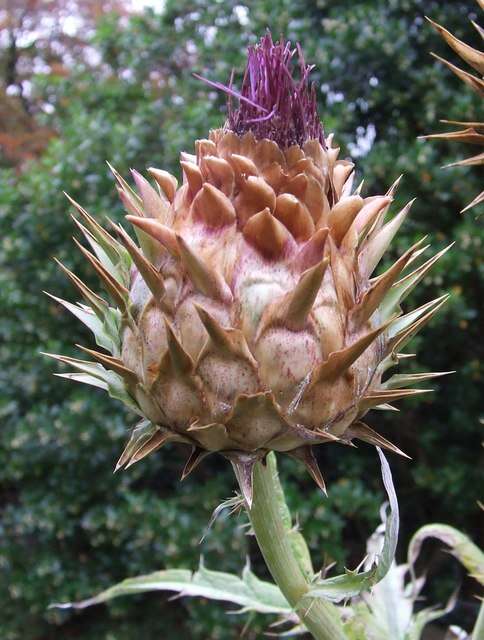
[423, 618]
[250, 593]
[352, 583]
[462, 547]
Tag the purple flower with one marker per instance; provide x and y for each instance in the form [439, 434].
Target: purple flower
[272, 103]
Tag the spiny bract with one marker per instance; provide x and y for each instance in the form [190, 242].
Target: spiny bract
[250, 319]
[473, 132]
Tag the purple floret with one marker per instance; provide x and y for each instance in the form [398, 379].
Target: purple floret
[271, 102]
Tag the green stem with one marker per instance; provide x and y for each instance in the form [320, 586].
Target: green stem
[320, 617]
[478, 633]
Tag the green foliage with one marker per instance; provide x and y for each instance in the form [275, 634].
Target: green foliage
[247, 591]
[69, 527]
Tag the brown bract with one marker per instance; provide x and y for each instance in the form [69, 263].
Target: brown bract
[469, 132]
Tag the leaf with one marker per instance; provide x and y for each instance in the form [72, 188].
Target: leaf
[466, 552]
[386, 611]
[428, 615]
[352, 583]
[247, 591]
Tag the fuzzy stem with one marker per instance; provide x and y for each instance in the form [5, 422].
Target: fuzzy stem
[320, 617]
[478, 633]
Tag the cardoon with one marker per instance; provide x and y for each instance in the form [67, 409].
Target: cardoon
[249, 317]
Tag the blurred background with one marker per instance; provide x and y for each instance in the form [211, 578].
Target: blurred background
[85, 81]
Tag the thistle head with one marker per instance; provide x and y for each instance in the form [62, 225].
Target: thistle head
[249, 319]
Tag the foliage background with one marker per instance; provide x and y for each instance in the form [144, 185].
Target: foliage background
[121, 89]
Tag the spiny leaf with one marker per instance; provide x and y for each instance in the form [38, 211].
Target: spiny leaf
[400, 290]
[472, 56]
[399, 380]
[352, 583]
[118, 291]
[203, 277]
[377, 242]
[97, 304]
[114, 252]
[475, 83]
[477, 200]
[247, 591]
[151, 276]
[339, 361]
[399, 325]
[405, 335]
[114, 364]
[363, 432]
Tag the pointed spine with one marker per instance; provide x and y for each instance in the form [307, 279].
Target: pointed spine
[307, 457]
[399, 291]
[206, 280]
[388, 395]
[124, 186]
[398, 381]
[363, 432]
[299, 302]
[375, 294]
[150, 275]
[115, 364]
[404, 336]
[157, 440]
[230, 341]
[312, 251]
[339, 361]
[118, 292]
[194, 459]
[154, 206]
[181, 362]
[244, 471]
[99, 306]
[107, 242]
[475, 83]
[472, 56]
[375, 246]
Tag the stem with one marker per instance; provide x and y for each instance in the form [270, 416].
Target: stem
[273, 536]
[478, 633]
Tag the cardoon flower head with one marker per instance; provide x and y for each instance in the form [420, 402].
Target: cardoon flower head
[249, 317]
